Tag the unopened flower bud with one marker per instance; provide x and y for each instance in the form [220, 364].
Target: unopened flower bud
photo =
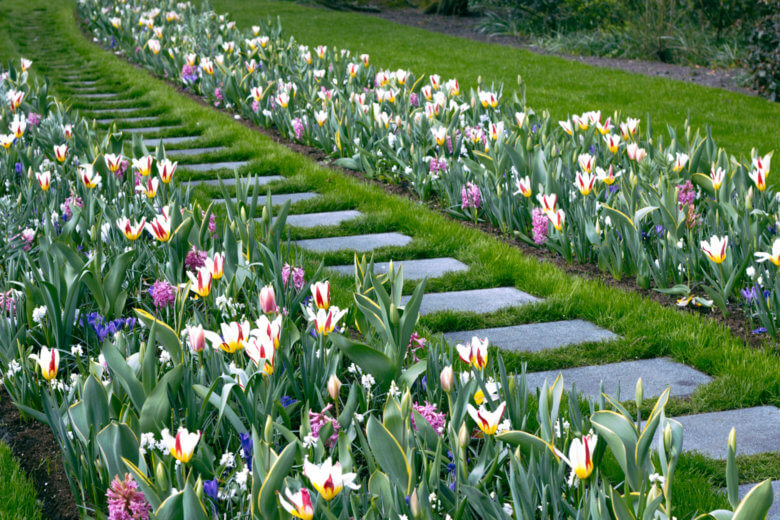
[463, 436]
[639, 393]
[733, 439]
[668, 437]
[414, 504]
[197, 338]
[447, 378]
[334, 387]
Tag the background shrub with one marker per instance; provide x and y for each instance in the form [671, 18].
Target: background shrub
[762, 58]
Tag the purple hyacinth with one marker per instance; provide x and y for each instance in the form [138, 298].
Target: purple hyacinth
[413, 100]
[686, 194]
[318, 420]
[125, 502]
[539, 224]
[69, 204]
[195, 259]
[163, 294]
[470, 196]
[189, 73]
[435, 418]
[33, 119]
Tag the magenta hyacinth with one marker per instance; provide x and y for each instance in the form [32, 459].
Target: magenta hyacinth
[163, 294]
[297, 273]
[125, 502]
[318, 420]
[195, 259]
[298, 127]
[435, 418]
[470, 196]
[539, 224]
[686, 194]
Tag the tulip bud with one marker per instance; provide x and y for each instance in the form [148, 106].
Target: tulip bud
[243, 214]
[414, 504]
[733, 439]
[447, 378]
[463, 436]
[268, 431]
[406, 404]
[199, 488]
[197, 338]
[639, 393]
[161, 476]
[668, 437]
[266, 218]
[395, 318]
[268, 299]
[334, 387]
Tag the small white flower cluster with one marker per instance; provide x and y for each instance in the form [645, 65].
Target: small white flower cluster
[38, 314]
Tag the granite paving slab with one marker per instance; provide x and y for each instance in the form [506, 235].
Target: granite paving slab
[656, 374]
[475, 300]
[325, 218]
[758, 431]
[231, 181]
[101, 95]
[413, 269]
[123, 120]
[359, 243]
[278, 198]
[154, 141]
[186, 152]
[774, 511]
[209, 167]
[534, 337]
[149, 129]
[113, 110]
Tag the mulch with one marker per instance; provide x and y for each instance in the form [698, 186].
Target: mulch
[40, 457]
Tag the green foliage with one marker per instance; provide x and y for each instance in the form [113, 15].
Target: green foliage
[762, 57]
[19, 500]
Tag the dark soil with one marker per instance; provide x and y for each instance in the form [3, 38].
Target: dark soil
[39, 455]
[466, 27]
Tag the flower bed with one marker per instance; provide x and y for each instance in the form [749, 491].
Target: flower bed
[189, 369]
[598, 189]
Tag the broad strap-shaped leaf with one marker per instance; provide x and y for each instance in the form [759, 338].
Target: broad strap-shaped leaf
[165, 335]
[368, 358]
[528, 440]
[274, 480]
[756, 503]
[388, 453]
[117, 443]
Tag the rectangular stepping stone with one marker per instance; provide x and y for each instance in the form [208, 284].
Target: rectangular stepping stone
[758, 431]
[154, 141]
[148, 129]
[278, 198]
[101, 95]
[326, 218]
[656, 375]
[86, 82]
[359, 243]
[231, 181]
[476, 300]
[209, 167]
[122, 120]
[113, 110]
[535, 337]
[774, 511]
[185, 152]
[413, 269]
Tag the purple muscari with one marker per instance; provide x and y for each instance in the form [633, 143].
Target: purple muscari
[286, 401]
[195, 259]
[470, 196]
[104, 328]
[163, 294]
[112, 44]
[760, 330]
[246, 449]
[125, 502]
[211, 489]
[539, 226]
[435, 418]
[18, 167]
[750, 293]
[534, 128]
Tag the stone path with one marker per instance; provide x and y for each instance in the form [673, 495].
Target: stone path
[758, 428]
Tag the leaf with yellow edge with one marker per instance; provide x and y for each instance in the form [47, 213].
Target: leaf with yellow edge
[274, 480]
[164, 334]
[389, 454]
[620, 214]
[144, 483]
[525, 439]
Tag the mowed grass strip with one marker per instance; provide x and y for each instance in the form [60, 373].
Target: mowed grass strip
[18, 500]
[739, 122]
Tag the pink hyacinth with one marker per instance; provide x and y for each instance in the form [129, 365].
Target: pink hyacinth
[686, 194]
[435, 418]
[539, 224]
[298, 127]
[470, 196]
[7, 302]
[318, 420]
[125, 502]
[33, 119]
[195, 259]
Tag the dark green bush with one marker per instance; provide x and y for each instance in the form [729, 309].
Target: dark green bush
[762, 59]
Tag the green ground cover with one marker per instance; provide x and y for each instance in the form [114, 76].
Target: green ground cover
[743, 376]
[739, 122]
[17, 494]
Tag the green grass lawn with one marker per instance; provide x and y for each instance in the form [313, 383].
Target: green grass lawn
[17, 494]
[739, 122]
[742, 376]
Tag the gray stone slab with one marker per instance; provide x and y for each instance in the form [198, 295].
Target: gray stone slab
[413, 269]
[231, 181]
[774, 511]
[656, 374]
[186, 152]
[278, 198]
[99, 111]
[100, 95]
[154, 141]
[534, 337]
[86, 83]
[123, 120]
[326, 218]
[149, 129]
[758, 431]
[210, 167]
[476, 300]
[359, 243]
